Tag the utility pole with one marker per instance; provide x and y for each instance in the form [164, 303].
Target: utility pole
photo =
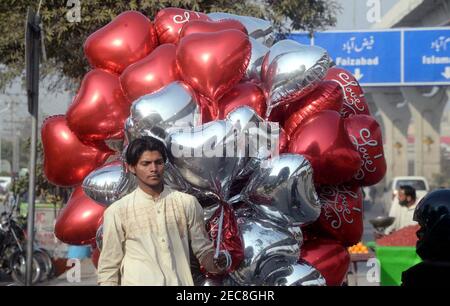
[32, 52]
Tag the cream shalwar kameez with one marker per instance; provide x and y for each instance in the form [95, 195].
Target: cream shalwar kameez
[146, 240]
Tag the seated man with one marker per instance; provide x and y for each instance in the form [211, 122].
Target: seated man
[433, 246]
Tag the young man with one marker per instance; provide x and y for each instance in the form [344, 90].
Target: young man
[147, 234]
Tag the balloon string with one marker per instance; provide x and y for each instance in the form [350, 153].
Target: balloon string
[219, 234]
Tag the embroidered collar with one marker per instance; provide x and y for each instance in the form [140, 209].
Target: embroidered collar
[166, 191]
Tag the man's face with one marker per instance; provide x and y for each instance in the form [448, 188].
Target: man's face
[403, 199]
[150, 168]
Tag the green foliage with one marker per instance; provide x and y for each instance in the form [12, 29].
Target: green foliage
[63, 40]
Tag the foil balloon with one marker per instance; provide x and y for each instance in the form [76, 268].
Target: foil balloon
[151, 73]
[205, 26]
[109, 183]
[298, 274]
[354, 100]
[170, 21]
[231, 239]
[291, 70]
[67, 160]
[77, 222]
[327, 96]
[100, 108]
[205, 156]
[243, 94]
[257, 139]
[342, 213]
[282, 189]
[154, 114]
[323, 140]
[365, 134]
[259, 51]
[266, 248]
[197, 57]
[329, 257]
[257, 28]
[125, 40]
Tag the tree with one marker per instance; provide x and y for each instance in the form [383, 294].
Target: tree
[63, 39]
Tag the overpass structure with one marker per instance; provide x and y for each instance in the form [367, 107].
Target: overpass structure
[403, 64]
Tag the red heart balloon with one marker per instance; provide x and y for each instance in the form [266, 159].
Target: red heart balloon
[170, 21]
[365, 134]
[329, 257]
[205, 26]
[354, 100]
[247, 94]
[284, 141]
[67, 160]
[100, 109]
[323, 140]
[151, 73]
[123, 41]
[342, 213]
[212, 63]
[327, 96]
[77, 223]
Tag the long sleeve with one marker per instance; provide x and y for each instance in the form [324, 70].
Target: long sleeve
[113, 248]
[393, 212]
[201, 244]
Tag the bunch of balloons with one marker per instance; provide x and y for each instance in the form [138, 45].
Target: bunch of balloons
[273, 140]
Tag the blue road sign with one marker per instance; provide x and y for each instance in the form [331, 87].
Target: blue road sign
[427, 56]
[374, 57]
[392, 57]
[302, 38]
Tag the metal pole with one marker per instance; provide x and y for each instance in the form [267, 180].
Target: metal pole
[32, 54]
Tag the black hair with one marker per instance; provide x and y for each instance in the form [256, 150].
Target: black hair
[409, 191]
[146, 143]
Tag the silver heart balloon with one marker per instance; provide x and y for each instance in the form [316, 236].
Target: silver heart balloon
[206, 156]
[282, 189]
[109, 183]
[253, 71]
[257, 28]
[291, 70]
[266, 248]
[298, 274]
[258, 139]
[154, 114]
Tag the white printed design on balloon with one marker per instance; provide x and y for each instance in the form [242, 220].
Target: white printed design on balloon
[185, 18]
[338, 212]
[351, 99]
[367, 166]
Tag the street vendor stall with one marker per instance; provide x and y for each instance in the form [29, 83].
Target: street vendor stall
[396, 253]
